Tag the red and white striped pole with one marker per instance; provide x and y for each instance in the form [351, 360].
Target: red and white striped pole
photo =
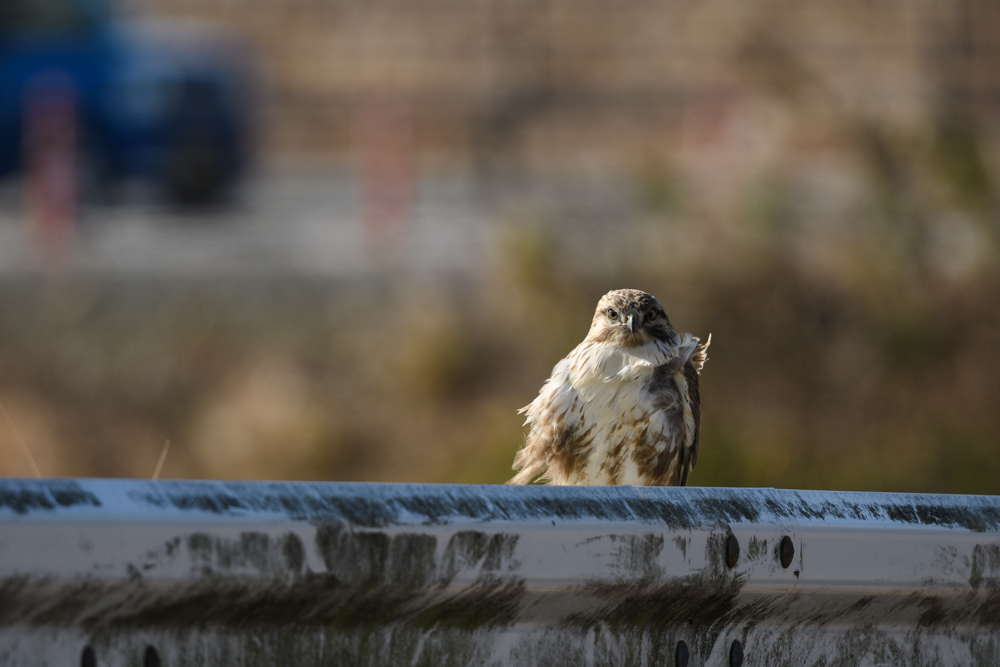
[383, 138]
[50, 156]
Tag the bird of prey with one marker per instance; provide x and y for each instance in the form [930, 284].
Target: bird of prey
[623, 407]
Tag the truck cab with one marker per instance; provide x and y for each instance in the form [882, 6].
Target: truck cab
[165, 102]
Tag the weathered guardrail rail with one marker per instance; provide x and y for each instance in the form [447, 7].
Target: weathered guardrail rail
[102, 572]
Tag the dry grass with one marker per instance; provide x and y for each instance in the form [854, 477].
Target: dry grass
[811, 384]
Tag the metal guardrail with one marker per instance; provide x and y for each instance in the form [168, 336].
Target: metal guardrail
[102, 572]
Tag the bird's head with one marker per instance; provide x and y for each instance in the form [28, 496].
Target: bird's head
[630, 318]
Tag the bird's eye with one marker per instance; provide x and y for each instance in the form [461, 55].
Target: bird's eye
[651, 315]
[612, 314]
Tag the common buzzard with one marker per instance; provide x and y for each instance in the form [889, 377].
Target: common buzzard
[623, 407]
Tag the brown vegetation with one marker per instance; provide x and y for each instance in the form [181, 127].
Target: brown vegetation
[815, 185]
[866, 385]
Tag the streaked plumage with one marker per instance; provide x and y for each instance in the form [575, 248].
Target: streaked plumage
[623, 407]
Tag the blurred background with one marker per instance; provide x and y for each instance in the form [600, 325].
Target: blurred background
[329, 240]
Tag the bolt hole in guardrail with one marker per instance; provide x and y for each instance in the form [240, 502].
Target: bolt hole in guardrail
[732, 551]
[736, 654]
[152, 658]
[786, 551]
[681, 654]
[87, 658]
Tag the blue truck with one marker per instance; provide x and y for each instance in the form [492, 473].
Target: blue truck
[164, 102]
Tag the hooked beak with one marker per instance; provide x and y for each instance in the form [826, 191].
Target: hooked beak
[631, 320]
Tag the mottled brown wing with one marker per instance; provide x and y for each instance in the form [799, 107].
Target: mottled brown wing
[664, 467]
[689, 457]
